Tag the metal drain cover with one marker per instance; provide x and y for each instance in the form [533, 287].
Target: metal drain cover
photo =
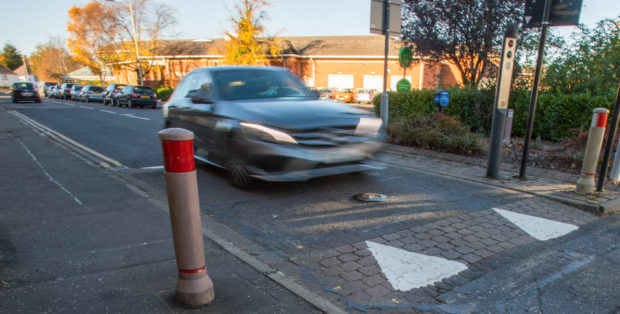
[370, 197]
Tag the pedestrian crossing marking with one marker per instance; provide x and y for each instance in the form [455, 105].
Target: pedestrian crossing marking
[407, 270]
[541, 229]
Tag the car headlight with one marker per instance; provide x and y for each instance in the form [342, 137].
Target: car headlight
[368, 126]
[266, 134]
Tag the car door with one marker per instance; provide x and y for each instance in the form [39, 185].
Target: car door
[191, 108]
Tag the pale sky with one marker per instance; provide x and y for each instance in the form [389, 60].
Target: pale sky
[27, 23]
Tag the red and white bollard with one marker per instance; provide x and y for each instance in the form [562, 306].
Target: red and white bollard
[194, 287]
[585, 184]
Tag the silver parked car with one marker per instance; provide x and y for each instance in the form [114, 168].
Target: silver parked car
[91, 93]
[263, 123]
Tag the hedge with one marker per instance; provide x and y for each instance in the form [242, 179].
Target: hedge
[556, 115]
[164, 93]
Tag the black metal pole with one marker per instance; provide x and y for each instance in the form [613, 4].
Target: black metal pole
[611, 139]
[534, 97]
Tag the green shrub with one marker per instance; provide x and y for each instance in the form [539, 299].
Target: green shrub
[164, 93]
[437, 131]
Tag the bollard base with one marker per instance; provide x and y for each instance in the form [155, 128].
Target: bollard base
[585, 185]
[194, 292]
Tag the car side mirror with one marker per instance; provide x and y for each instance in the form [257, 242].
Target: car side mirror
[200, 97]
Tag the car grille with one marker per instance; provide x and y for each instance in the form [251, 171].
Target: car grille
[328, 137]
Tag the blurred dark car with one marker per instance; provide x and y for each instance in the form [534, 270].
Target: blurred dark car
[263, 123]
[91, 93]
[75, 92]
[136, 96]
[109, 95]
[65, 91]
[24, 91]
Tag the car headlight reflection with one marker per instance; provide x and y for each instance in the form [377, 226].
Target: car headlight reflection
[266, 134]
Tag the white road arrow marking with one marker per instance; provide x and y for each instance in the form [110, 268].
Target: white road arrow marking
[135, 117]
[539, 228]
[407, 270]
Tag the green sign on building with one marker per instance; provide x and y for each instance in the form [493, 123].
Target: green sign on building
[403, 85]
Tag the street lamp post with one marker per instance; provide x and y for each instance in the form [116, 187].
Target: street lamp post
[135, 41]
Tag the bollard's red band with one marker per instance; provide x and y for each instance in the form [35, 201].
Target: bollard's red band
[178, 156]
[602, 120]
[193, 271]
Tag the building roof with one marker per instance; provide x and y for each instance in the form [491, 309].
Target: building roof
[313, 46]
[21, 70]
[86, 74]
[4, 70]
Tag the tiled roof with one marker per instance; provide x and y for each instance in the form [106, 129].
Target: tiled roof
[4, 70]
[371, 45]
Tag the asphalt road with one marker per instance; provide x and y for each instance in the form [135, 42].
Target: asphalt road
[286, 218]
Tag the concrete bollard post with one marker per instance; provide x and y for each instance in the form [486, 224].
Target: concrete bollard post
[194, 287]
[585, 184]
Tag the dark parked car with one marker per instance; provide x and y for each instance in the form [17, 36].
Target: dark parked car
[22, 91]
[65, 91]
[263, 123]
[137, 96]
[91, 93]
[109, 95]
[44, 88]
[75, 92]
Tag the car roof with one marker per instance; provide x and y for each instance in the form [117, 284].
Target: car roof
[238, 67]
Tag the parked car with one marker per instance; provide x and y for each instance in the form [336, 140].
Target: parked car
[363, 96]
[326, 93]
[49, 91]
[65, 91]
[23, 91]
[75, 92]
[58, 91]
[91, 93]
[263, 123]
[344, 95]
[44, 88]
[109, 95]
[136, 96]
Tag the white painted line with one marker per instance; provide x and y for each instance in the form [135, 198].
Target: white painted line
[64, 189]
[407, 270]
[107, 111]
[135, 117]
[539, 228]
[152, 168]
[87, 107]
[64, 103]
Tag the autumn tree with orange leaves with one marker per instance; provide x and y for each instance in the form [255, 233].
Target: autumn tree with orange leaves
[246, 46]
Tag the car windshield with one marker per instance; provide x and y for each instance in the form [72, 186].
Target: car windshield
[96, 89]
[143, 90]
[258, 83]
[23, 86]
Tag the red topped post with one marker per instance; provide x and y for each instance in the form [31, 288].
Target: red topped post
[194, 287]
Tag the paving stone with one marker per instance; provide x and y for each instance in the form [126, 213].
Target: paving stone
[351, 287]
[391, 237]
[471, 238]
[422, 236]
[378, 240]
[436, 232]
[506, 245]
[404, 233]
[465, 231]
[345, 249]
[377, 291]
[495, 248]
[464, 249]
[458, 242]
[428, 243]
[445, 246]
[414, 247]
[471, 258]
[433, 251]
[350, 266]
[409, 239]
[441, 239]
[459, 226]
[367, 261]
[370, 270]
[476, 245]
[499, 238]
[482, 234]
[332, 271]
[347, 257]
[451, 254]
[330, 262]
[454, 235]
[448, 229]
[363, 253]
[330, 253]
[443, 223]
[351, 275]
[360, 245]
[483, 253]
[374, 280]
[395, 243]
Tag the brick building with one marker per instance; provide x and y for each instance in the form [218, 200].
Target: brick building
[322, 61]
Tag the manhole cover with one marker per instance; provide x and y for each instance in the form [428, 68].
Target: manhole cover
[370, 197]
